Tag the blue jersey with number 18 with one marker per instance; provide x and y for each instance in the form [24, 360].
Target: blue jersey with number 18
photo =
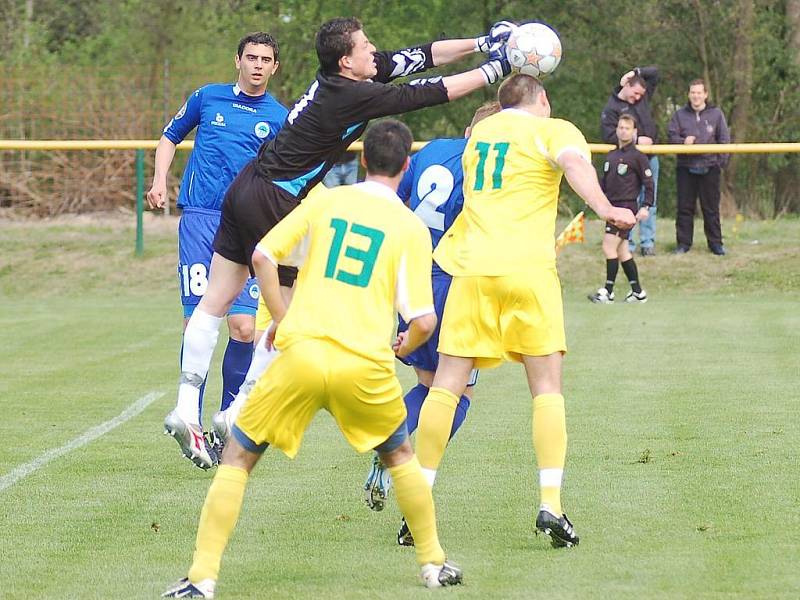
[432, 185]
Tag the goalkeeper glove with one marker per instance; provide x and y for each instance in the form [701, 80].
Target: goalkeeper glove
[498, 34]
[496, 66]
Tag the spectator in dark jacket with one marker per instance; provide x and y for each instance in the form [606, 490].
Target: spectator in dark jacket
[699, 174]
[632, 97]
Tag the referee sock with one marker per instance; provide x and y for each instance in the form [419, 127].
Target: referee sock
[199, 340]
[632, 273]
[414, 399]
[217, 520]
[550, 445]
[612, 268]
[415, 500]
[435, 424]
[234, 367]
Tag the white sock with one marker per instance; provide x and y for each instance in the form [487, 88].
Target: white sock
[199, 341]
[262, 358]
[430, 475]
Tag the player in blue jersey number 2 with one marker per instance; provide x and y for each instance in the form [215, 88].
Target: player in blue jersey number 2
[232, 121]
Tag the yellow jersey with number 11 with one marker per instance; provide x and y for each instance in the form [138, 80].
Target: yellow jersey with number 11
[511, 187]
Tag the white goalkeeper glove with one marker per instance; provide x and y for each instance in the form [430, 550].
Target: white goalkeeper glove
[498, 34]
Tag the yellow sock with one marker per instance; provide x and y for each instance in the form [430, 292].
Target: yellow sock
[415, 500]
[435, 423]
[550, 445]
[217, 520]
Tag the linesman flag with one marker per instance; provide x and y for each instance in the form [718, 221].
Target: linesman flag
[573, 233]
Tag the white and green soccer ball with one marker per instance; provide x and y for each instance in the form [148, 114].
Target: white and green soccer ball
[533, 49]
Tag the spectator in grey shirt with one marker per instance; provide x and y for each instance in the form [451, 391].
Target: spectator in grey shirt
[699, 174]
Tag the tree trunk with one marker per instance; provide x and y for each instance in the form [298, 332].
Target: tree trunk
[743, 95]
[787, 179]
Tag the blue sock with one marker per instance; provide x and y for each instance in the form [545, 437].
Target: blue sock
[414, 399]
[460, 416]
[234, 367]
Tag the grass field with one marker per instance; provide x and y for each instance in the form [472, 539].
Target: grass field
[682, 478]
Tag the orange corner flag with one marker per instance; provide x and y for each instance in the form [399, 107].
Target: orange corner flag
[573, 233]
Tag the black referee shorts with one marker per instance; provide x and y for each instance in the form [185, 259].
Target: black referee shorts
[631, 205]
[252, 206]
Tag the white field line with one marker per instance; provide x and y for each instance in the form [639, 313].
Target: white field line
[6, 481]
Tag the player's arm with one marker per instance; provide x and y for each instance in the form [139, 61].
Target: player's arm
[165, 152]
[401, 63]
[282, 245]
[186, 119]
[413, 291]
[582, 178]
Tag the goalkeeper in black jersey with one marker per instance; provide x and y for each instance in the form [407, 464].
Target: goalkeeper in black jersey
[351, 87]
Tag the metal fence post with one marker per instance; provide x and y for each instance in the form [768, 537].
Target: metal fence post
[139, 201]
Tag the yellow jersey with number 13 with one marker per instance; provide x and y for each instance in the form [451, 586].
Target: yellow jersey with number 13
[364, 256]
[511, 186]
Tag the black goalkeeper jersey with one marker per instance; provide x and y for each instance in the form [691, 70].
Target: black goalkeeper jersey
[334, 112]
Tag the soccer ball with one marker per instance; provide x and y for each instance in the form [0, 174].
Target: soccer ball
[533, 49]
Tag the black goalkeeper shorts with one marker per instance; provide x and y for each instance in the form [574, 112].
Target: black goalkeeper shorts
[252, 206]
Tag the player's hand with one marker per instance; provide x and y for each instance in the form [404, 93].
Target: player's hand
[689, 139]
[643, 214]
[269, 336]
[498, 35]
[157, 196]
[497, 65]
[398, 345]
[621, 218]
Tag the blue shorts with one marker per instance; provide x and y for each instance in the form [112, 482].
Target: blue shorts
[195, 237]
[426, 357]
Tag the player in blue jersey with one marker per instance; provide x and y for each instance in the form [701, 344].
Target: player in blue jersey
[432, 188]
[232, 121]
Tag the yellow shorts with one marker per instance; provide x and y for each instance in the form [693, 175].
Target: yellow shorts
[492, 319]
[365, 398]
[263, 318]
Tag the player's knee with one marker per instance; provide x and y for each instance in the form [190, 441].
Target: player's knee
[397, 456]
[242, 328]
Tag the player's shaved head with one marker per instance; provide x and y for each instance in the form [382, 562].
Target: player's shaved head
[386, 147]
[487, 109]
[519, 90]
[335, 40]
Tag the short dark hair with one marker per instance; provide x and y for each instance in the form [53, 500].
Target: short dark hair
[335, 40]
[637, 80]
[699, 81]
[519, 89]
[259, 37]
[386, 147]
[628, 117]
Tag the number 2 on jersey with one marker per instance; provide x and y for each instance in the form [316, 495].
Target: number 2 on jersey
[501, 149]
[366, 257]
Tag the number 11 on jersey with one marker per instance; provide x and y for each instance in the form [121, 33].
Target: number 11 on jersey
[483, 148]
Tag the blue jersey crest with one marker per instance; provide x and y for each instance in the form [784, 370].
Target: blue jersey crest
[432, 186]
[231, 126]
